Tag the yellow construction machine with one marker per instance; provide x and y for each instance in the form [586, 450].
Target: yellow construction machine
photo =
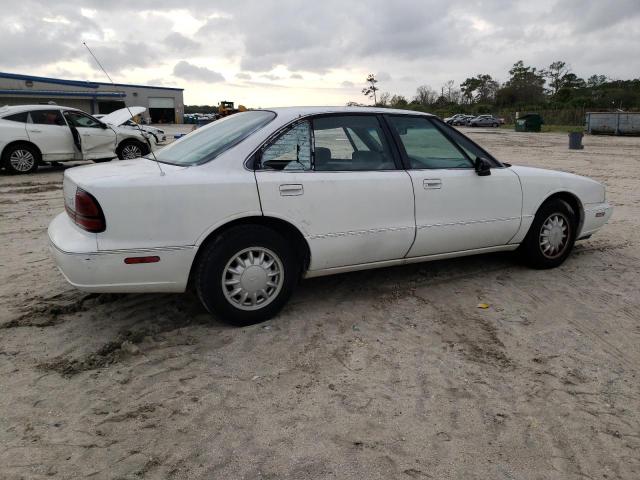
[226, 108]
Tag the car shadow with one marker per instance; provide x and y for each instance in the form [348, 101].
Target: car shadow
[47, 168]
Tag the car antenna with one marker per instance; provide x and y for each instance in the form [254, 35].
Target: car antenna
[129, 110]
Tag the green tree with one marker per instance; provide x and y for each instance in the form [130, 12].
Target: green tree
[524, 87]
[481, 88]
[596, 80]
[384, 99]
[371, 89]
[556, 74]
[425, 96]
[398, 101]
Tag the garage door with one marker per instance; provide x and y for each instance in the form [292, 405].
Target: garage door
[161, 102]
[162, 109]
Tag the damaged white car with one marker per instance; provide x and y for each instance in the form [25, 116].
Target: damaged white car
[123, 118]
[31, 135]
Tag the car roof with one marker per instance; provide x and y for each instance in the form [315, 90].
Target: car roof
[293, 112]
[9, 109]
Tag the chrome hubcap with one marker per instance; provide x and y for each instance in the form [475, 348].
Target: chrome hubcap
[554, 235]
[22, 160]
[131, 151]
[253, 278]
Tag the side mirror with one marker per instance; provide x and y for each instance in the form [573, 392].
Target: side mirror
[482, 166]
[103, 126]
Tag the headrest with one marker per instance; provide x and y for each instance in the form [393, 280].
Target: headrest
[323, 155]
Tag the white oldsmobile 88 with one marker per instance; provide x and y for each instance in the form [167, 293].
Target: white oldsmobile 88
[243, 208]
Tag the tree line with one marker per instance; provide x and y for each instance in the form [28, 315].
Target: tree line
[554, 87]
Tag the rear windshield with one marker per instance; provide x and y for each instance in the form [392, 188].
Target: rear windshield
[210, 141]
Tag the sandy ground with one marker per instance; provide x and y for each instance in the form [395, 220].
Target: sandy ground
[375, 375]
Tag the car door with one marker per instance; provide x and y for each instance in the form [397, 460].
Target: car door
[96, 138]
[50, 133]
[456, 209]
[337, 178]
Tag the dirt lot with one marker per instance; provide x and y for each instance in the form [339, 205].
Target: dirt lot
[374, 375]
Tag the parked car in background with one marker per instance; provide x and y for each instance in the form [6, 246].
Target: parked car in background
[462, 120]
[450, 120]
[240, 209]
[34, 134]
[484, 121]
[124, 118]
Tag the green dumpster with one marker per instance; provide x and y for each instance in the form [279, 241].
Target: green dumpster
[531, 122]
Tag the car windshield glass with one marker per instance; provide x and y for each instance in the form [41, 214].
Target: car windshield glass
[208, 142]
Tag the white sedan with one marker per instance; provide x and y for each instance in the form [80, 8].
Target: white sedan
[242, 208]
[33, 134]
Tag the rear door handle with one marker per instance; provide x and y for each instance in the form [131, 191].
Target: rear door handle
[33, 130]
[432, 183]
[291, 189]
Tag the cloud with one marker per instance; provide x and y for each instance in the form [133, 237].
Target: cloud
[271, 77]
[179, 43]
[409, 42]
[189, 71]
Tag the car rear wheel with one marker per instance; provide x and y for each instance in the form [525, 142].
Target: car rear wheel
[20, 159]
[246, 275]
[551, 236]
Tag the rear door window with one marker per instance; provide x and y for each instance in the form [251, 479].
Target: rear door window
[290, 151]
[47, 117]
[351, 143]
[21, 117]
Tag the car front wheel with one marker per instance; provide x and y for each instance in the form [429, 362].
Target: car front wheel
[551, 236]
[130, 149]
[246, 275]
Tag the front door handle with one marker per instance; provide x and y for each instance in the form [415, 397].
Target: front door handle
[432, 183]
[291, 189]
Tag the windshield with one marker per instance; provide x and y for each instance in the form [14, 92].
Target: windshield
[208, 142]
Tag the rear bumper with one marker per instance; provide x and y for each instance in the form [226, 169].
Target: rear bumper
[75, 254]
[595, 216]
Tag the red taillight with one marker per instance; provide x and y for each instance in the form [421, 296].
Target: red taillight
[87, 213]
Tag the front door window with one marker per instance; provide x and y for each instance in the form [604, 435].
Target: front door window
[426, 146]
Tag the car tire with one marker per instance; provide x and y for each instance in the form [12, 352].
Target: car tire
[131, 149]
[496, 125]
[551, 236]
[21, 159]
[246, 275]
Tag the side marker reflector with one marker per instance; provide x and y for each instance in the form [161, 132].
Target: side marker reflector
[136, 260]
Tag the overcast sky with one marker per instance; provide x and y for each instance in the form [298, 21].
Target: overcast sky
[280, 52]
